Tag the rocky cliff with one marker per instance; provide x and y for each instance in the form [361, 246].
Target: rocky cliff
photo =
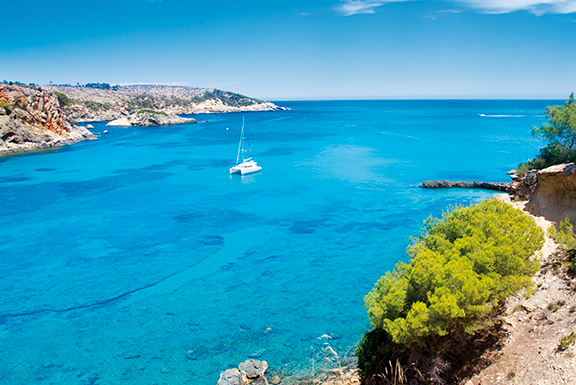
[551, 192]
[32, 118]
[85, 104]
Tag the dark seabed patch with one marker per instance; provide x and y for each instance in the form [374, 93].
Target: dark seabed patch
[154, 167]
[45, 169]
[25, 199]
[280, 151]
[12, 179]
[188, 217]
[109, 183]
[305, 227]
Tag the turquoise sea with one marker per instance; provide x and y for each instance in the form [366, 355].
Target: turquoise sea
[138, 259]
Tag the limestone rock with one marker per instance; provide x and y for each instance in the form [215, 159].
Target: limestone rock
[148, 118]
[232, 377]
[497, 186]
[33, 118]
[253, 368]
[554, 195]
[513, 174]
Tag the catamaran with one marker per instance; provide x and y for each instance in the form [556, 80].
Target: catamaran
[248, 165]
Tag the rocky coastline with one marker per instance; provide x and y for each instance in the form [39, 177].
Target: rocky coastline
[496, 186]
[31, 118]
[149, 119]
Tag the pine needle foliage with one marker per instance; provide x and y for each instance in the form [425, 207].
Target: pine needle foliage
[559, 133]
[566, 240]
[461, 267]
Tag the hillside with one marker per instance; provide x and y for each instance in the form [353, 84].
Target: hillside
[32, 118]
[88, 104]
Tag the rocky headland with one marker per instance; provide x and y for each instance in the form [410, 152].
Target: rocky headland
[497, 186]
[88, 104]
[148, 118]
[31, 118]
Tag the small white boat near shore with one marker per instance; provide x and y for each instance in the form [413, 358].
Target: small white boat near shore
[247, 166]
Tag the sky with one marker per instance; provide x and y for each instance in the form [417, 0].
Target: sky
[300, 50]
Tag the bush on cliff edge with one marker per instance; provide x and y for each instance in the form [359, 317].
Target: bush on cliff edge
[559, 133]
[461, 267]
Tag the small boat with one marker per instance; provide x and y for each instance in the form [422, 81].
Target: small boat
[248, 165]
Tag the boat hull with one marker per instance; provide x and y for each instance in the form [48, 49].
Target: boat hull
[246, 167]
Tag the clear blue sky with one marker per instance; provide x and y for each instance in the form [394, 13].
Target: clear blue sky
[314, 49]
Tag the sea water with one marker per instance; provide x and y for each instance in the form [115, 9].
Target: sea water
[138, 259]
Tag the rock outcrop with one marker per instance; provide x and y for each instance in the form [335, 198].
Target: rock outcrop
[150, 118]
[523, 188]
[232, 377]
[497, 186]
[253, 368]
[249, 369]
[553, 192]
[32, 118]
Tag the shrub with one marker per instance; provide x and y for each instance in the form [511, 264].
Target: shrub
[566, 240]
[151, 112]
[7, 107]
[461, 267]
[566, 341]
[560, 133]
[63, 99]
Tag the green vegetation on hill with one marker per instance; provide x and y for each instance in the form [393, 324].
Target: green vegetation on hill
[152, 112]
[231, 98]
[141, 102]
[461, 267]
[566, 239]
[101, 86]
[63, 99]
[559, 133]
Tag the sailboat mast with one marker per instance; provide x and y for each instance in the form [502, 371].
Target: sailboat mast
[241, 144]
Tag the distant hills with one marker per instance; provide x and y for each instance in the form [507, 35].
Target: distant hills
[102, 102]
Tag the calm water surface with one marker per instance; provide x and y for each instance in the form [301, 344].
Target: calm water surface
[138, 259]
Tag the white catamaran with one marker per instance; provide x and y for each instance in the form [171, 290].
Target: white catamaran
[248, 165]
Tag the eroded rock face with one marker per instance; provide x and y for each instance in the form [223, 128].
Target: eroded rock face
[31, 118]
[148, 119]
[524, 188]
[554, 195]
